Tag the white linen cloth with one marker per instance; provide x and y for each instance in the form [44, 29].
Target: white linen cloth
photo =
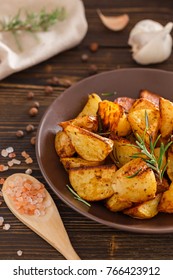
[60, 37]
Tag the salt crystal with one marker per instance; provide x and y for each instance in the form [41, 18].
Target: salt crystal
[16, 161]
[3, 168]
[24, 154]
[10, 150]
[29, 160]
[19, 253]
[6, 226]
[28, 171]
[10, 163]
[4, 153]
[1, 221]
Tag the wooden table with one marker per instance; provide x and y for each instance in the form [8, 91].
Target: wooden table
[90, 239]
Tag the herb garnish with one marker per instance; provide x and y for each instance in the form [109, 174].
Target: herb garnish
[148, 155]
[77, 197]
[33, 22]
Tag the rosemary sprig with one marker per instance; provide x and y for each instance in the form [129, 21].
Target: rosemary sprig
[77, 197]
[148, 155]
[33, 22]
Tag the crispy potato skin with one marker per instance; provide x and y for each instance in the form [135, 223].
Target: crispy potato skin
[166, 202]
[93, 183]
[74, 162]
[63, 145]
[138, 188]
[125, 102]
[87, 122]
[170, 164]
[145, 210]
[138, 123]
[122, 152]
[115, 204]
[151, 96]
[166, 112]
[91, 106]
[113, 118]
[88, 145]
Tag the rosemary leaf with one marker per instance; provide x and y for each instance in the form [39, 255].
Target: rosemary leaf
[156, 141]
[148, 155]
[77, 197]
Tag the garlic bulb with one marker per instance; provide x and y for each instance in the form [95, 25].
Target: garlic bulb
[150, 41]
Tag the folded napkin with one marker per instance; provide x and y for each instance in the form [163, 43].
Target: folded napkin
[60, 37]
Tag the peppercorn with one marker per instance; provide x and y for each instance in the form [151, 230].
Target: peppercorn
[36, 104]
[30, 95]
[84, 57]
[93, 69]
[33, 112]
[33, 140]
[19, 133]
[30, 128]
[48, 89]
[93, 47]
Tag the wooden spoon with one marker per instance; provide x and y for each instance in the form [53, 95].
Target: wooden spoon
[114, 23]
[49, 226]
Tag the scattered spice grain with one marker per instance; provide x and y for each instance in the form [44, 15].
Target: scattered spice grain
[33, 111]
[6, 226]
[20, 133]
[30, 128]
[28, 171]
[1, 221]
[93, 47]
[33, 140]
[84, 57]
[30, 95]
[48, 89]
[19, 253]
[93, 69]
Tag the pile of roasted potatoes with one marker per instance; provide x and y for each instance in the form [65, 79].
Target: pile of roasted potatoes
[97, 147]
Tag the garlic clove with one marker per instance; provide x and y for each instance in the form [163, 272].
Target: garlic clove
[114, 23]
[150, 42]
[156, 50]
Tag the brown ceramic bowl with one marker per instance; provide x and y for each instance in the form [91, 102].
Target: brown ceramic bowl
[125, 82]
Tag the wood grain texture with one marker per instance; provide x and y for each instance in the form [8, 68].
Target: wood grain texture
[90, 239]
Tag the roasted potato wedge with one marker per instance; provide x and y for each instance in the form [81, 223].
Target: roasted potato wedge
[93, 183]
[91, 106]
[115, 204]
[138, 123]
[125, 102]
[135, 182]
[166, 114]
[166, 202]
[145, 210]
[87, 122]
[123, 126]
[122, 151]
[142, 103]
[109, 114]
[88, 145]
[73, 162]
[63, 145]
[170, 165]
[151, 96]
